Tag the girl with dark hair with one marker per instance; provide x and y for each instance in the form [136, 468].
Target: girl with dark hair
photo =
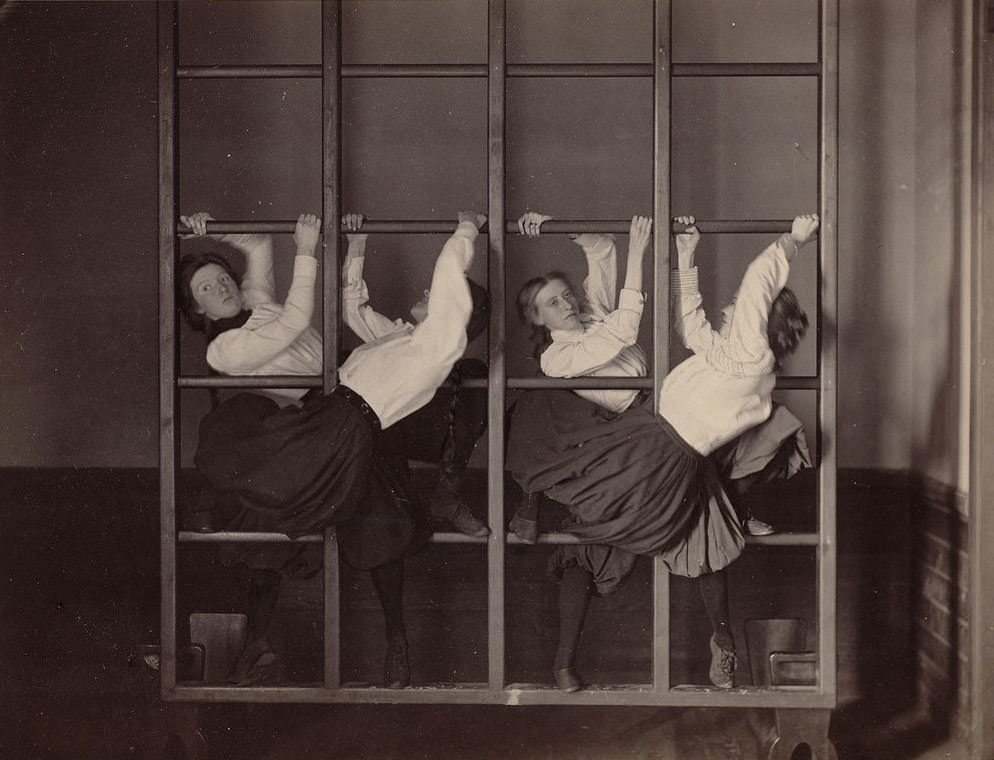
[190, 265]
[317, 461]
[639, 483]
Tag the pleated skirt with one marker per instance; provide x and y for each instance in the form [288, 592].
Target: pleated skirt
[629, 480]
[299, 470]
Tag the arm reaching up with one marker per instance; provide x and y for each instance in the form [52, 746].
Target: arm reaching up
[638, 241]
[237, 352]
[686, 242]
[306, 234]
[367, 323]
[441, 337]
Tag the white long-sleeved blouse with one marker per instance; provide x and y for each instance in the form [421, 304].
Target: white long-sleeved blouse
[396, 372]
[605, 343]
[725, 387]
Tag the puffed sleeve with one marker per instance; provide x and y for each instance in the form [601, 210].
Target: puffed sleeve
[363, 319]
[259, 283]
[441, 337]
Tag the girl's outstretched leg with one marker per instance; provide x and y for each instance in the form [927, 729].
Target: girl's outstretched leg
[574, 597]
[389, 582]
[714, 591]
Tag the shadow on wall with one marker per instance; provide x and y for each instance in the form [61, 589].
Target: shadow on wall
[941, 637]
[909, 638]
[940, 525]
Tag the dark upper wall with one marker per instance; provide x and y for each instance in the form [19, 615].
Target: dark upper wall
[77, 204]
[79, 131]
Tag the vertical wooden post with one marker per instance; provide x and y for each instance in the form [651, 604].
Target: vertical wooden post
[332, 581]
[168, 354]
[828, 298]
[981, 520]
[331, 163]
[496, 551]
[662, 97]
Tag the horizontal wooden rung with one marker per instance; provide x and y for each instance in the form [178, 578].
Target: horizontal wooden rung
[250, 381]
[450, 537]
[268, 71]
[516, 694]
[245, 537]
[416, 71]
[447, 226]
[757, 69]
[791, 382]
[512, 70]
[785, 539]
[441, 537]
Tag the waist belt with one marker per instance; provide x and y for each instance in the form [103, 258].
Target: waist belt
[349, 395]
[644, 398]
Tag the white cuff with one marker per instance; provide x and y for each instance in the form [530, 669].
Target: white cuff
[631, 300]
[467, 230]
[683, 281]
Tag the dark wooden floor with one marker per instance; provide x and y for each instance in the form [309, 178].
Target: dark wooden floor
[80, 553]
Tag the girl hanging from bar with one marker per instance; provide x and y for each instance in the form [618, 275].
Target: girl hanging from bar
[635, 482]
[315, 460]
[444, 431]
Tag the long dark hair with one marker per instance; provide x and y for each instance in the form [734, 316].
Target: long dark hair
[479, 318]
[786, 326]
[539, 336]
[188, 266]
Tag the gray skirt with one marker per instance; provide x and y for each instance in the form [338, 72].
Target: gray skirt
[629, 480]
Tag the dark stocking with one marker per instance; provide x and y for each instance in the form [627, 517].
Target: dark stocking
[738, 487]
[714, 591]
[389, 582]
[467, 416]
[264, 587]
[574, 596]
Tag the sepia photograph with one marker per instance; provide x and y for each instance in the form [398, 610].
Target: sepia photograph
[486, 379]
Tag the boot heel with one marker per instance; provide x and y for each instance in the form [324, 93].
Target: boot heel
[567, 680]
[396, 670]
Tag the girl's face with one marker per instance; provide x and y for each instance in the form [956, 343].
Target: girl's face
[216, 293]
[555, 307]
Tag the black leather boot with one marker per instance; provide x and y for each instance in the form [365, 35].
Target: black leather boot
[524, 524]
[396, 669]
[446, 501]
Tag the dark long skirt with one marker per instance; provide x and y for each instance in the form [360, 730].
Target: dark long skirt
[629, 480]
[455, 417]
[299, 470]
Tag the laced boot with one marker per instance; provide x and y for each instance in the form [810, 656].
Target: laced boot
[524, 523]
[753, 526]
[723, 661]
[396, 669]
[446, 501]
[567, 679]
[257, 665]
